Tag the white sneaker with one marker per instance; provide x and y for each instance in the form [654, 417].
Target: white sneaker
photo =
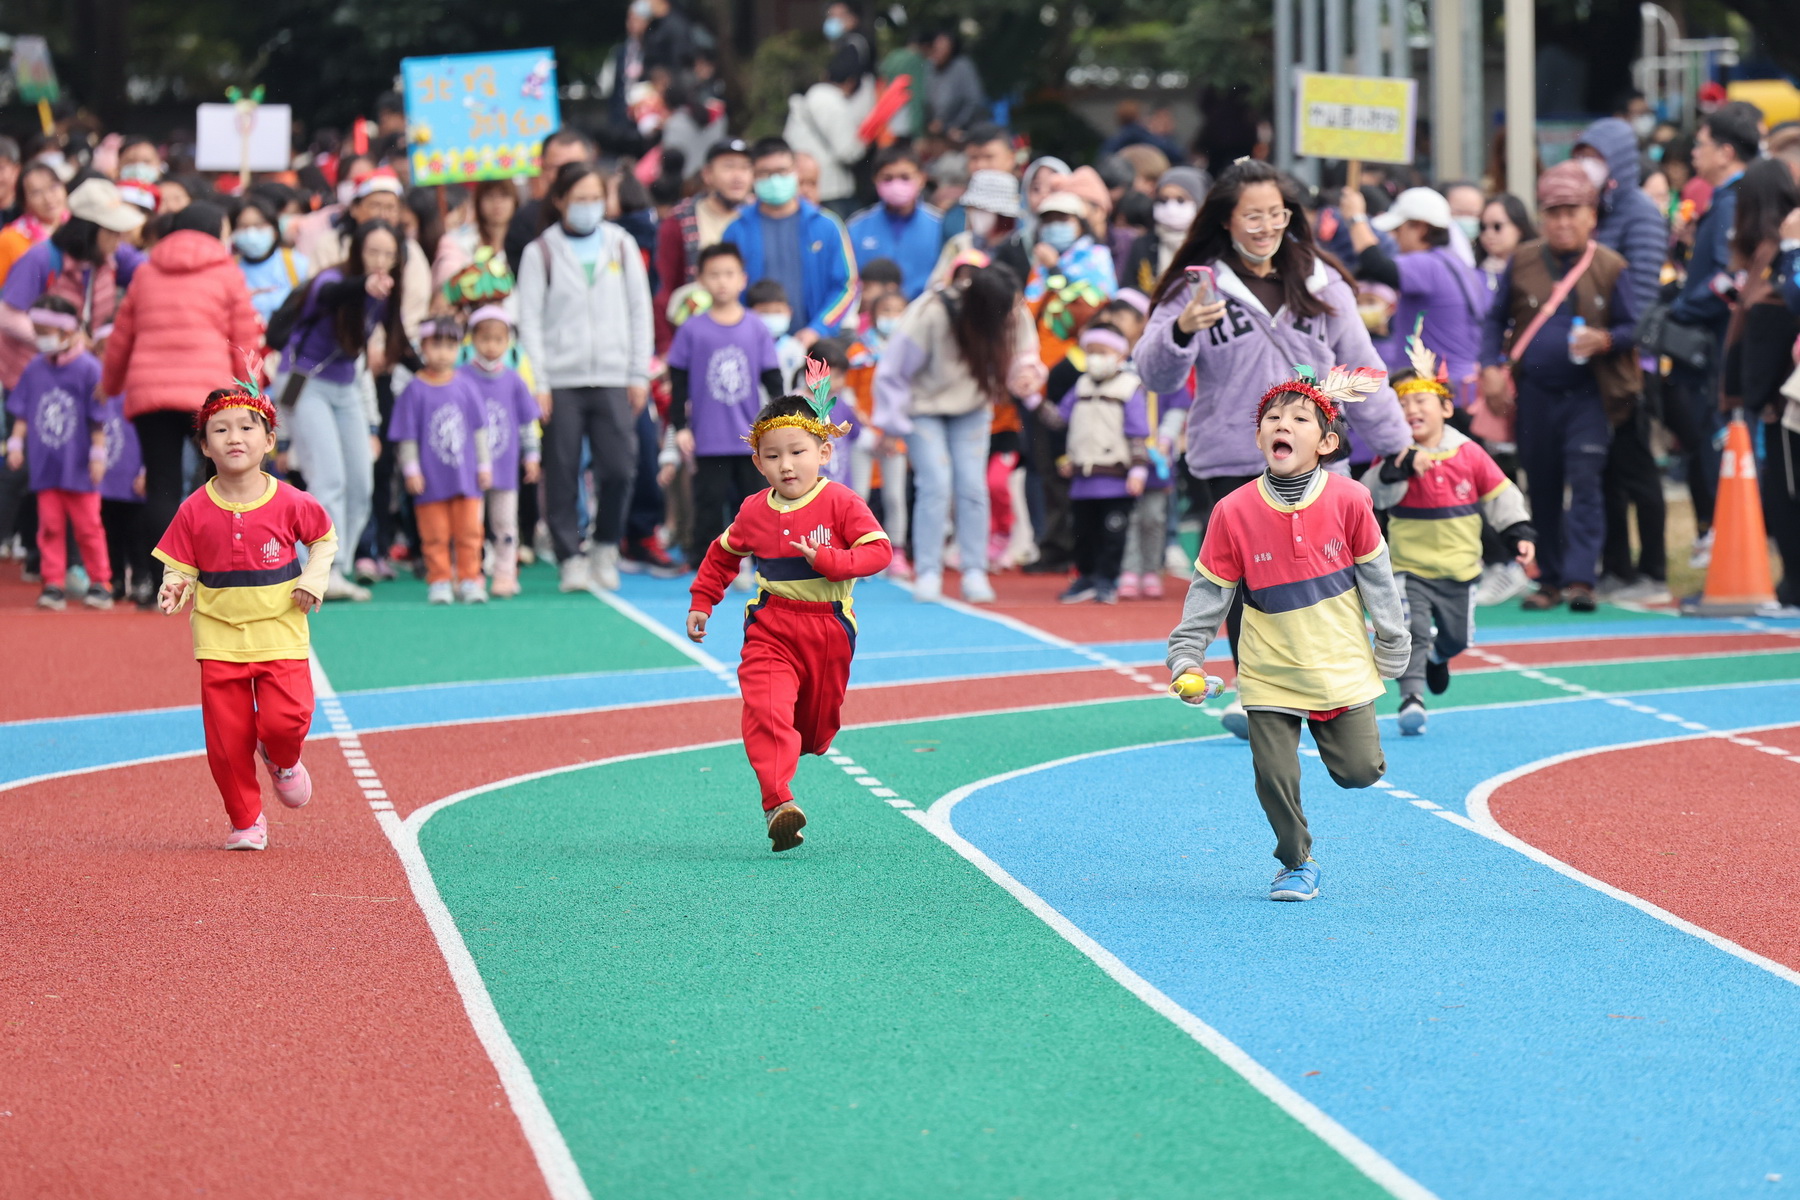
[976, 589]
[440, 592]
[928, 587]
[745, 579]
[1501, 582]
[1175, 562]
[1700, 558]
[339, 588]
[575, 575]
[472, 591]
[603, 565]
[1235, 720]
[1644, 590]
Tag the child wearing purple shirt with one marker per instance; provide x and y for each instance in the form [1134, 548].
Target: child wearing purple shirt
[439, 424]
[58, 438]
[716, 361]
[122, 497]
[510, 418]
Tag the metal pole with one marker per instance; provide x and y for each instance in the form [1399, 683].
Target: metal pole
[1521, 101]
[1308, 169]
[1336, 33]
[1284, 87]
[1368, 37]
[1446, 89]
[1399, 54]
[1475, 121]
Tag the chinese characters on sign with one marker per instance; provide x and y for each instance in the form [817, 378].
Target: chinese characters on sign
[478, 116]
[1354, 117]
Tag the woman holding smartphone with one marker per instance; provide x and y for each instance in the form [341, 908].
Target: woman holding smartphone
[1277, 301]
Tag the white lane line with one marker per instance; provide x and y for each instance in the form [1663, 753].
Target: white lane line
[632, 612]
[1357, 1152]
[561, 1176]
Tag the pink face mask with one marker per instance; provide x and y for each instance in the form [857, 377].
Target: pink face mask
[898, 193]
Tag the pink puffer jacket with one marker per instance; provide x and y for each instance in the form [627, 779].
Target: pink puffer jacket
[186, 327]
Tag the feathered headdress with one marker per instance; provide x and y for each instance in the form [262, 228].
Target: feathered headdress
[1343, 385]
[818, 398]
[243, 393]
[1431, 373]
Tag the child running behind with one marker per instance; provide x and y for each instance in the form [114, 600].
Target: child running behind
[231, 549]
[510, 420]
[1304, 545]
[1436, 494]
[59, 436]
[810, 540]
[438, 424]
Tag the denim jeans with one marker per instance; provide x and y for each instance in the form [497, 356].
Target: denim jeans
[330, 425]
[946, 452]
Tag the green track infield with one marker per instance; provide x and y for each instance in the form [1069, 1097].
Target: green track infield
[403, 641]
[869, 1016]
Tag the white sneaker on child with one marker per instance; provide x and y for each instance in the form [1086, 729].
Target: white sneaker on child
[603, 563]
[928, 587]
[976, 589]
[1235, 720]
[440, 592]
[745, 579]
[575, 575]
[472, 591]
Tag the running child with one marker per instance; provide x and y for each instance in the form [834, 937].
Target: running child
[810, 540]
[510, 419]
[439, 427]
[1304, 545]
[59, 436]
[231, 549]
[1436, 494]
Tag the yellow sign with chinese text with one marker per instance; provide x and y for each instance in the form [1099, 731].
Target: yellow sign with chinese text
[1363, 118]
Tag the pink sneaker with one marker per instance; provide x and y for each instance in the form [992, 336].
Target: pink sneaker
[901, 567]
[997, 545]
[293, 787]
[254, 838]
[1128, 586]
[1152, 584]
[504, 586]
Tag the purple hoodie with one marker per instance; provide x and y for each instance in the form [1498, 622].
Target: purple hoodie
[1246, 354]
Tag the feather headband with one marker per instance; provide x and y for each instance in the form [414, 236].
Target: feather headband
[818, 398]
[1432, 373]
[1343, 385]
[243, 393]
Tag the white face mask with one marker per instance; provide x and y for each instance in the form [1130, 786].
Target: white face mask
[1102, 366]
[1644, 124]
[981, 224]
[1256, 260]
[777, 323]
[1175, 215]
[1597, 172]
[487, 364]
[51, 343]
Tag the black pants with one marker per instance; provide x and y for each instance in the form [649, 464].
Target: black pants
[1056, 536]
[163, 437]
[1631, 480]
[1215, 488]
[721, 481]
[645, 512]
[18, 510]
[125, 543]
[602, 417]
[1781, 505]
[390, 508]
[1691, 413]
[1101, 527]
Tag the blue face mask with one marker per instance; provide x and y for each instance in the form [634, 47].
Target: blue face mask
[255, 243]
[1060, 234]
[778, 190]
[583, 219]
[777, 323]
[834, 29]
[885, 326]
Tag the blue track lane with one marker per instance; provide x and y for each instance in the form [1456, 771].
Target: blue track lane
[1455, 999]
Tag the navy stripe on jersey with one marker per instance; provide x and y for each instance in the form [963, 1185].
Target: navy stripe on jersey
[1445, 513]
[786, 570]
[1302, 593]
[237, 579]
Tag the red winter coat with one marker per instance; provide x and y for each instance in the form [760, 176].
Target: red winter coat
[186, 327]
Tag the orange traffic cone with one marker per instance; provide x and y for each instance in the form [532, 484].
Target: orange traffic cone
[1738, 582]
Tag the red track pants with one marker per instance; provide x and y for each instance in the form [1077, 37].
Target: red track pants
[793, 671]
[246, 703]
[57, 512]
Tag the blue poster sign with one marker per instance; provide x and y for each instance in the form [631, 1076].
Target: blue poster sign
[478, 116]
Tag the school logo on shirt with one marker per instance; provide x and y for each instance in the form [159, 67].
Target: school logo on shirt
[56, 418]
[498, 432]
[728, 375]
[271, 552]
[447, 435]
[115, 440]
[820, 536]
[1464, 489]
[1333, 549]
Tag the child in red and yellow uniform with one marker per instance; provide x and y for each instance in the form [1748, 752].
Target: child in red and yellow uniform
[1304, 546]
[231, 548]
[809, 539]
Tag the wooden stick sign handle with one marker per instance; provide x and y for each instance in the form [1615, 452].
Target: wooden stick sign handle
[1353, 174]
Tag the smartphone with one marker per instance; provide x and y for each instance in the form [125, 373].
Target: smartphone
[1202, 279]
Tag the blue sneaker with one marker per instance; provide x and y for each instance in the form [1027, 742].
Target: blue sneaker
[1412, 716]
[1296, 883]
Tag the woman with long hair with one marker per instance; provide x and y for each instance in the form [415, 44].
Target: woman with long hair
[1505, 222]
[955, 353]
[336, 434]
[1759, 349]
[481, 242]
[585, 326]
[1277, 301]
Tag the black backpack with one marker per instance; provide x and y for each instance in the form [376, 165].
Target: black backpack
[283, 320]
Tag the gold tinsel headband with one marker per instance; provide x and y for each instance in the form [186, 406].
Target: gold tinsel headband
[818, 384]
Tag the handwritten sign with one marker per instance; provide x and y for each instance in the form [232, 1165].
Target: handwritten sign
[229, 138]
[478, 116]
[1355, 117]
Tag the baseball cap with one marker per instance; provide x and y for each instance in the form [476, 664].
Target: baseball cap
[994, 192]
[1063, 202]
[728, 146]
[1415, 204]
[98, 201]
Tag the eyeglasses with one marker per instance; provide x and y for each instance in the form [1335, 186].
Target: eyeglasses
[1267, 222]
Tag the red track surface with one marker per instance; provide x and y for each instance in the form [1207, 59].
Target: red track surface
[1698, 843]
[1032, 599]
[182, 1021]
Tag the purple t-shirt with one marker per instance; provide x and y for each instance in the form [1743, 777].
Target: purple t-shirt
[838, 469]
[724, 365]
[58, 407]
[313, 347]
[442, 418]
[507, 406]
[124, 457]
